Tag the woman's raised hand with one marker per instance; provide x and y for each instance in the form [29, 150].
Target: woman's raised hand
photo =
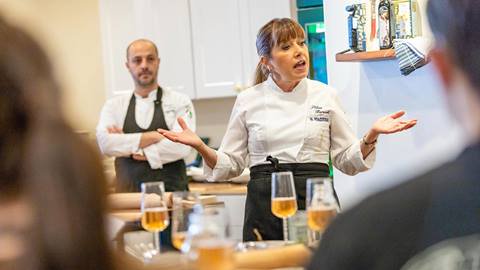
[186, 136]
[392, 123]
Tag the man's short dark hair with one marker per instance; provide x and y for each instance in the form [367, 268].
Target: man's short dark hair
[454, 24]
[142, 40]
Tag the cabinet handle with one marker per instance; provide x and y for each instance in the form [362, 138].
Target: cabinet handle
[238, 88]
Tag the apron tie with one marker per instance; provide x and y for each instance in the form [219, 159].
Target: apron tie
[274, 162]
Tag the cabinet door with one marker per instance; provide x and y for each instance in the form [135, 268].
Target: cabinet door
[166, 23]
[216, 46]
[255, 14]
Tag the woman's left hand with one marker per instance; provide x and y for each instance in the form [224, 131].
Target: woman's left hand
[392, 124]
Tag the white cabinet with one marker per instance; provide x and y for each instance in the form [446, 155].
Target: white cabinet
[224, 34]
[216, 46]
[207, 47]
[256, 14]
[166, 23]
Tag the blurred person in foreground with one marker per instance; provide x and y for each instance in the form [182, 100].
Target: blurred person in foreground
[389, 228]
[51, 181]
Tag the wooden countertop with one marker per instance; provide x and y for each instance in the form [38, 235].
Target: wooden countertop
[219, 188]
[291, 257]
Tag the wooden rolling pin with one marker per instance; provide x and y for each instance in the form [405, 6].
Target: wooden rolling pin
[120, 201]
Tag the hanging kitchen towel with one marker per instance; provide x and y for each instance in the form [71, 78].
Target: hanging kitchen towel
[411, 53]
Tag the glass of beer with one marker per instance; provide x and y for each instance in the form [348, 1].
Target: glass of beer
[154, 210]
[182, 206]
[284, 199]
[208, 245]
[321, 204]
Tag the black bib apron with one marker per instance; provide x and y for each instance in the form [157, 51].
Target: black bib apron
[258, 213]
[131, 173]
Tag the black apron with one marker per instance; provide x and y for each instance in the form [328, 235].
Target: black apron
[258, 213]
[131, 173]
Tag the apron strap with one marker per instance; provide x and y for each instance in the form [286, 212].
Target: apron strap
[274, 162]
[265, 170]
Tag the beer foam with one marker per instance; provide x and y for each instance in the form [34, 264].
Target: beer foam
[322, 208]
[284, 198]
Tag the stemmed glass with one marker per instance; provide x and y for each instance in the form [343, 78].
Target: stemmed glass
[321, 204]
[284, 199]
[154, 210]
[208, 244]
[182, 206]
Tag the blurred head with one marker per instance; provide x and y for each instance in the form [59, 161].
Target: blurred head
[51, 182]
[283, 52]
[142, 63]
[456, 56]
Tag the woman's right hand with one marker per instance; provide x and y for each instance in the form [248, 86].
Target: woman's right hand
[186, 136]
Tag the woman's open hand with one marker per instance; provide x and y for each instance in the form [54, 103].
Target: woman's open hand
[392, 123]
[186, 136]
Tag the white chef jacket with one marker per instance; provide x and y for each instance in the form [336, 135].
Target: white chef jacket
[301, 126]
[174, 105]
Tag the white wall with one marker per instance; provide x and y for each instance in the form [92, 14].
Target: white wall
[372, 89]
[70, 33]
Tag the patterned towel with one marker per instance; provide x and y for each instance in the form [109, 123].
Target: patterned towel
[411, 54]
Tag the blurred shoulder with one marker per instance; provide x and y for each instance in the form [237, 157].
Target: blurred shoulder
[408, 198]
[386, 223]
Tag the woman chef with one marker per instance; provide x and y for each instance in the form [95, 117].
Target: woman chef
[297, 121]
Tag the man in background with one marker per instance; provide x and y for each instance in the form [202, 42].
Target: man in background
[128, 124]
[389, 228]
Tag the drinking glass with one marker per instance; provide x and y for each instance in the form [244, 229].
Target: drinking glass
[208, 244]
[154, 210]
[321, 204]
[284, 199]
[182, 206]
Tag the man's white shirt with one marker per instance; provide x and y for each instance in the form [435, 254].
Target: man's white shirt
[174, 105]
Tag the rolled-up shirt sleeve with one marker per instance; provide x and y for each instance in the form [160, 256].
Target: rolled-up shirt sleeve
[231, 156]
[166, 151]
[344, 145]
[116, 145]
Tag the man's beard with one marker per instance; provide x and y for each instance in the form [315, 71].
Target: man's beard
[145, 82]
